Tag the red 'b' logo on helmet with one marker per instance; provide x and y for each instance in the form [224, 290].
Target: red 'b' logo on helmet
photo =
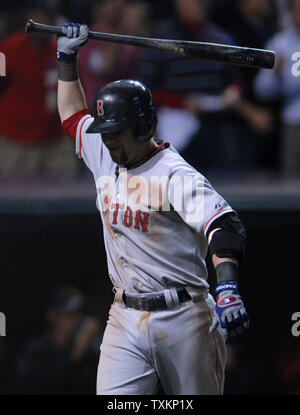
[100, 109]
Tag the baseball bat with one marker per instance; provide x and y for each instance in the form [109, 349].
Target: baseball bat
[235, 55]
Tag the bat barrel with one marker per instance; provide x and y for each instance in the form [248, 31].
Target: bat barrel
[235, 55]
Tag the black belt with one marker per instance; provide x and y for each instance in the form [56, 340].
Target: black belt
[152, 302]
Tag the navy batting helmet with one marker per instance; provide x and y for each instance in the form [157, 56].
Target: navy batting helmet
[124, 104]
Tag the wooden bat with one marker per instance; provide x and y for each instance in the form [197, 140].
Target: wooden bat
[235, 55]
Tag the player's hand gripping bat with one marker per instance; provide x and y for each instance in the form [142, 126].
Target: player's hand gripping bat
[235, 55]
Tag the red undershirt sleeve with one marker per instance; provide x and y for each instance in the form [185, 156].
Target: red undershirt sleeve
[70, 124]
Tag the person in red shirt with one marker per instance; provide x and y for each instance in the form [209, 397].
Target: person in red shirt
[31, 139]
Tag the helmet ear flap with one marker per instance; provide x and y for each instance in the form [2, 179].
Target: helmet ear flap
[144, 130]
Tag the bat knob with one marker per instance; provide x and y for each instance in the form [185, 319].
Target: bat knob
[29, 26]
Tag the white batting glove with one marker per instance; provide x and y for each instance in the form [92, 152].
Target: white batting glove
[75, 36]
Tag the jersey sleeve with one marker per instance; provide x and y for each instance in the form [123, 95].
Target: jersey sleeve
[89, 147]
[195, 200]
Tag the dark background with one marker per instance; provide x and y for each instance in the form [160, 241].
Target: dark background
[42, 250]
[49, 238]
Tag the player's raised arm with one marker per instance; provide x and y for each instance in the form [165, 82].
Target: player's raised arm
[70, 95]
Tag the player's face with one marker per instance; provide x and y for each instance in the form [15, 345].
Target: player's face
[123, 147]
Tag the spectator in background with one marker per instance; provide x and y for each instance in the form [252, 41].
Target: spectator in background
[135, 21]
[284, 82]
[77, 10]
[199, 101]
[31, 141]
[97, 59]
[104, 62]
[64, 359]
[252, 23]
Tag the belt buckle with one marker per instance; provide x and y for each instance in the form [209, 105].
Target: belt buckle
[140, 302]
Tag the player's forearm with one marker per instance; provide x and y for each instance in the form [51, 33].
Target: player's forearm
[70, 98]
[70, 94]
[226, 268]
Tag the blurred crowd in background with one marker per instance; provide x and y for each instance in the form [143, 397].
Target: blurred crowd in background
[230, 122]
[62, 357]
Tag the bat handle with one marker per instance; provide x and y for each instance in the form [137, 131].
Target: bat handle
[32, 26]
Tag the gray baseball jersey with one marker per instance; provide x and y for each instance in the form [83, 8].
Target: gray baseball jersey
[156, 218]
[156, 235]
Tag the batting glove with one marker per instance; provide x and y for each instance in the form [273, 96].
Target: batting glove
[230, 311]
[74, 36]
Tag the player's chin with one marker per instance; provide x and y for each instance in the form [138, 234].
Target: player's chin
[119, 157]
[116, 155]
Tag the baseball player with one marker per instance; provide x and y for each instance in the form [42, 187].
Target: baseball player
[160, 217]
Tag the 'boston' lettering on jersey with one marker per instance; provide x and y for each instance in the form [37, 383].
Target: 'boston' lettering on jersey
[137, 219]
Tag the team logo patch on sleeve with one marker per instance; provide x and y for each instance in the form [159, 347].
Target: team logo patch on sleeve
[100, 108]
